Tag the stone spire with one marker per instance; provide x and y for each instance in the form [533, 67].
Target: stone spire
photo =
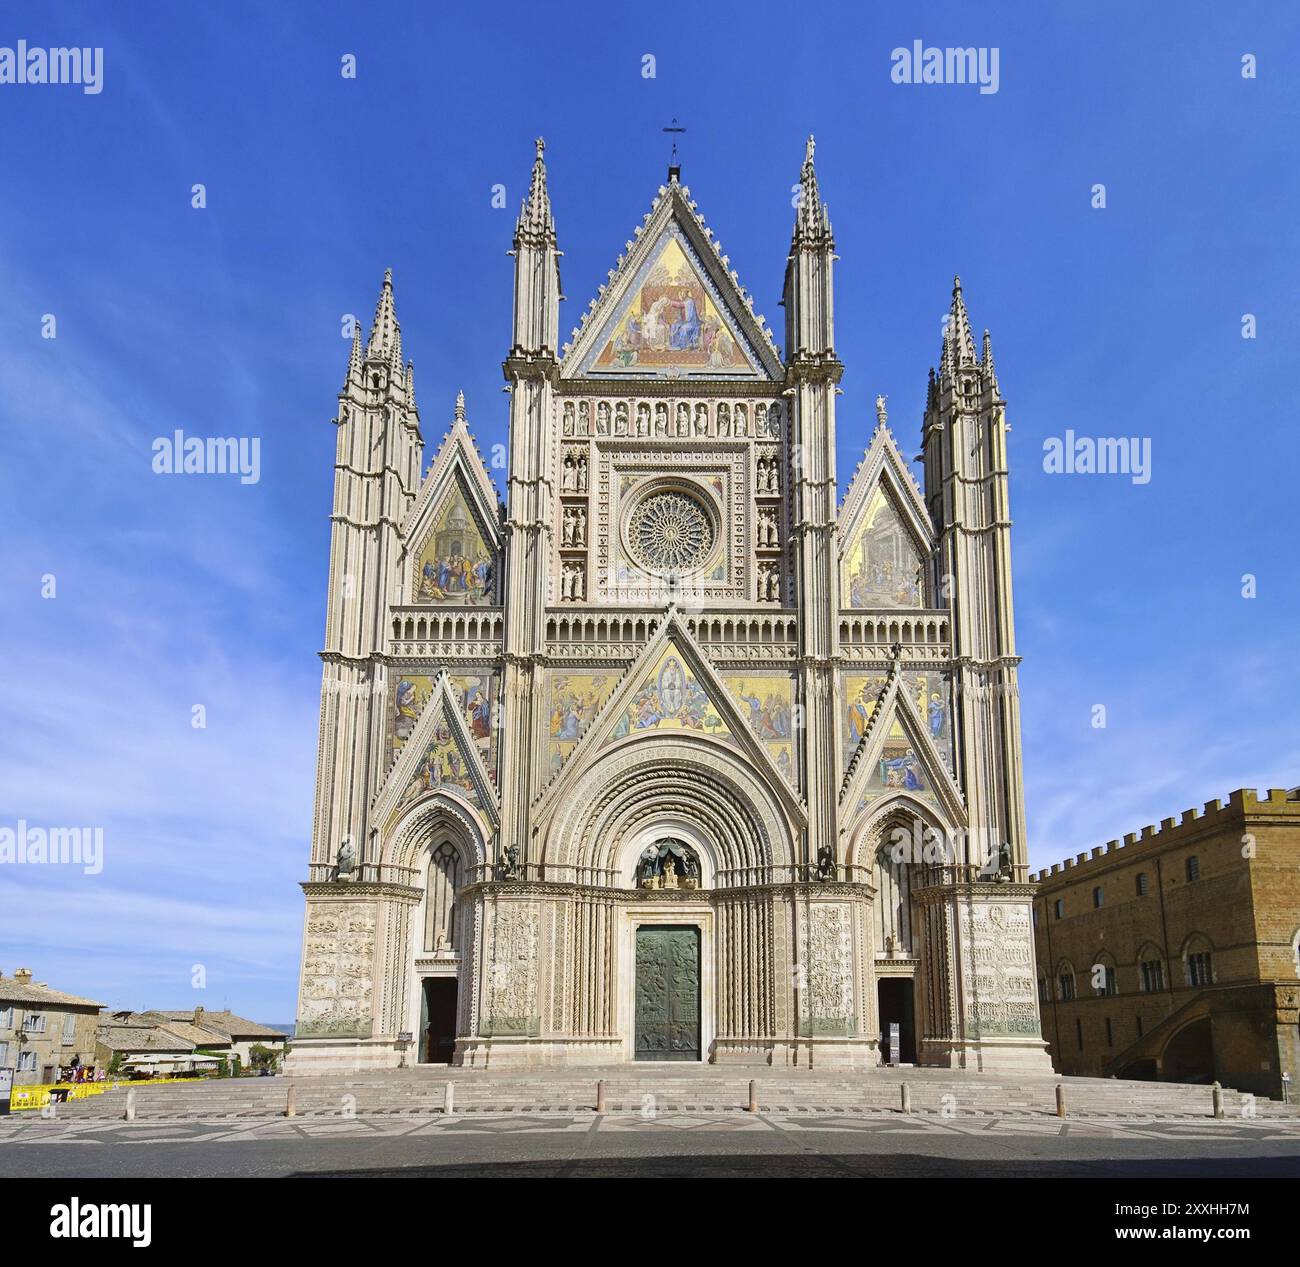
[410, 388]
[385, 333]
[354, 357]
[958, 341]
[812, 217]
[535, 216]
[460, 407]
[986, 361]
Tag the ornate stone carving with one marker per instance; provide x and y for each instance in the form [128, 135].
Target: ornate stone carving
[828, 993]
[670, 531]
[998, 970]
[338, 969]
[512, 971]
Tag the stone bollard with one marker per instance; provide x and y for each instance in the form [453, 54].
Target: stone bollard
[1216, 1096]
[907, 1098]
[289, 1108]
[600, 1095]
[449, 1097]
[752, 1106]
[130, 1104]
[1060, 1099]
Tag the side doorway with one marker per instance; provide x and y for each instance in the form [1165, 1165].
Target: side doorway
[438, 1021]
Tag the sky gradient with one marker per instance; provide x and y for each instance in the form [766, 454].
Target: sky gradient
[174, 591]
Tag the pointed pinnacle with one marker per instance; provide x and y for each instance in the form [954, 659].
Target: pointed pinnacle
[959, 342]
[811, 218]
[385, 334]
[460, 396]
[535, 216]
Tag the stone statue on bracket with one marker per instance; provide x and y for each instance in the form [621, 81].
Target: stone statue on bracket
[510, 863]
[346, 862]
[825, 863]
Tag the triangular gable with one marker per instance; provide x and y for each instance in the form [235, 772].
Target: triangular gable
[456, 507]
[673, 308]
[670, 688]
[439, 755]
[885, 533]
[899, 756]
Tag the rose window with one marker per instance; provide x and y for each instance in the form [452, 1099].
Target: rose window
[670, 531]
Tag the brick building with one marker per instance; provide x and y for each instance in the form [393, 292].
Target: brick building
[1175, 955]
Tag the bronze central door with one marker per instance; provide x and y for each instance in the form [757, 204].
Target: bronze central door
[667, 993]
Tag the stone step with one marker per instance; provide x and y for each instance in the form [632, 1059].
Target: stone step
[422, 1092]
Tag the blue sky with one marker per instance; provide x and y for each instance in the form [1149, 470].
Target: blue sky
[176, 591]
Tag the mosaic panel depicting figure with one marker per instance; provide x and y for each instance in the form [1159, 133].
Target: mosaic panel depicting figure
[455, 567]
[573, 699]
[671, 321]
[476, 693]
[670, 698]
[882, 566]
[768, 702]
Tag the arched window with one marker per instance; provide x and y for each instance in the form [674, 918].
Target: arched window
[1193, 867]
[893, 880]
[1151, 969]
[1104, 978]
[1065, 981]
[440, 898]
[1198, 960]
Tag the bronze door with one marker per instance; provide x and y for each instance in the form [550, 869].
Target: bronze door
[667, 993]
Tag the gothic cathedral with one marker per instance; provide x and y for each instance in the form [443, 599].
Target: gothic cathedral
[671, 757]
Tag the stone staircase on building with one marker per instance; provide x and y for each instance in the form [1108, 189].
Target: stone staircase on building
[662, 1088]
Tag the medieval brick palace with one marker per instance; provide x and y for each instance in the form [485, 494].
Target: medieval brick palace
[672, 757]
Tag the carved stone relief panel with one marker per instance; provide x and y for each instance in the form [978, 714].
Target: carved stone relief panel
[512, 972]
[998, 970]
[828, 1006]
[338, 971]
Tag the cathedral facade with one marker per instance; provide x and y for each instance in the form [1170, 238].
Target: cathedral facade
[673, 756]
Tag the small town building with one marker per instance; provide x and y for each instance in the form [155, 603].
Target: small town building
[43, 1031]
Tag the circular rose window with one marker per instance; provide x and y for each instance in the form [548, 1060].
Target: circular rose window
[670, 532]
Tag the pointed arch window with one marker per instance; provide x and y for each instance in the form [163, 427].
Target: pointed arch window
[443, 880]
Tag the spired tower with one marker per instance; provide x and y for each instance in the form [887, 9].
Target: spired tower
[670, 758]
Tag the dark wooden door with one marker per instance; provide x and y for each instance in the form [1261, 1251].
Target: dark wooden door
[440, 1025]
[667, 993]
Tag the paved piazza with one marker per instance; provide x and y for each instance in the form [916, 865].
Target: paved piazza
[680, 1144]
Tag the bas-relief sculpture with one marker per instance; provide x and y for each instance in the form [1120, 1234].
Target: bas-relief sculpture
[652, 656]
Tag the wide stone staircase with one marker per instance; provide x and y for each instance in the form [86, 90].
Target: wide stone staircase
[665, 1088]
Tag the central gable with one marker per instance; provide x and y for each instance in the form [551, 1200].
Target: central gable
[673, 309]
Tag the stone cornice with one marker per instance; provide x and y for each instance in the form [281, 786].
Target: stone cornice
[343, 889]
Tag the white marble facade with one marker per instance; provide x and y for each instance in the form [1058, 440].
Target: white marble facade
[672, 754]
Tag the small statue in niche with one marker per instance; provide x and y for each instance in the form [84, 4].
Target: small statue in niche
[643, 419]
[701, 420]
[510, 863]
[582, 474]
[580, 527]
[724, 419]
[683, 419]
[742, 426]
[584, 418]
[620, 419]
[670, 873]
[661, 419]
[602, 418]
[568, 417]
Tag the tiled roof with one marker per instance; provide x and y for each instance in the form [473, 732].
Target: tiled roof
[12, 991]
[141, 1038]
[225, 1023]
